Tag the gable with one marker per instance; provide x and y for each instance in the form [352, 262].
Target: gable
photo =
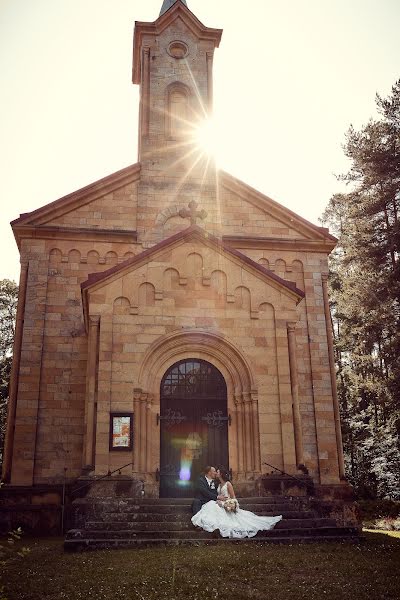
[115, 210]
[110, 203]
[190, 261]
[248, 213]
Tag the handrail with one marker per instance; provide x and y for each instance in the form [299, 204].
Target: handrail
[100, 478]
[284, 473]
[131, 463]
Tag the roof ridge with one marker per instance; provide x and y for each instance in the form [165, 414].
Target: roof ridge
[166, 5]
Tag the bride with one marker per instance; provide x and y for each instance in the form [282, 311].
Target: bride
[232, 521]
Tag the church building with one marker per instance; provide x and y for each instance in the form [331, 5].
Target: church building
[170, 316]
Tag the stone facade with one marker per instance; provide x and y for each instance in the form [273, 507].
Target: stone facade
[120, 280]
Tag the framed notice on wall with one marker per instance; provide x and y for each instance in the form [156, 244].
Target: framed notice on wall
[121, 431]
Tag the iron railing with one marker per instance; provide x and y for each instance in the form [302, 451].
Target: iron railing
[287, 474]
[100, 478]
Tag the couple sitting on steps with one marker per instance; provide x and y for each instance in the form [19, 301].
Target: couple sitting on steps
[215, 507]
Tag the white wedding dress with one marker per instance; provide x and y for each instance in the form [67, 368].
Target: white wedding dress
[240, 524]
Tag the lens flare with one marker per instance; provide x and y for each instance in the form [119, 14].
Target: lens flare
[184, 473]
[207, 138]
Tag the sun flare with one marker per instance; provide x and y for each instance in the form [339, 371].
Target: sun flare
[207, 137]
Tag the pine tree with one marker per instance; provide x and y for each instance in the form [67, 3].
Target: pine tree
[365, 292]
[8, 309]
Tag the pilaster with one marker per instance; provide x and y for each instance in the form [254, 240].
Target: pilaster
[30, 371]
[285, 397]
[102, 450]
[294, 381]
[91, 389]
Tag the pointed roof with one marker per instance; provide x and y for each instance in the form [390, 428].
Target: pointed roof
[177, 9]
[167, 5]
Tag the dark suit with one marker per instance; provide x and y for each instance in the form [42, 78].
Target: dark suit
[203, 493]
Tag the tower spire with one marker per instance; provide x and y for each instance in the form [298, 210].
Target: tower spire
[167, 5]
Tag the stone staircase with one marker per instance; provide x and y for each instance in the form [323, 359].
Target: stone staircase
[132, 522]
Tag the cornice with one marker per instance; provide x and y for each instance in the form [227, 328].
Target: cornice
[49, 232]
[269, 243]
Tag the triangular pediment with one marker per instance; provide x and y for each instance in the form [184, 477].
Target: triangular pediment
[80, 209]
[178, 11]
[261, 216]
[198, 242]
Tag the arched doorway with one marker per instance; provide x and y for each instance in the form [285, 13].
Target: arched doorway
[193, 425]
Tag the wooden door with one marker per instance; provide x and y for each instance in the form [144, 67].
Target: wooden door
[193, 425]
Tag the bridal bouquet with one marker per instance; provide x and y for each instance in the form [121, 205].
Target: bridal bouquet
[230, 505]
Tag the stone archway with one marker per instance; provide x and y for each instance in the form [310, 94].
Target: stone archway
[242, 399]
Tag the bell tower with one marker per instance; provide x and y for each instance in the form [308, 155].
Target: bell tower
[173, 65]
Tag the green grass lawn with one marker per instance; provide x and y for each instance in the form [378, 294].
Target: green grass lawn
[332, 571]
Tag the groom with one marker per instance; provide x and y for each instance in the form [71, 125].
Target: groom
[206, 489]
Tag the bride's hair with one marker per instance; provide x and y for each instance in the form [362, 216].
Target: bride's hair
[225, 474]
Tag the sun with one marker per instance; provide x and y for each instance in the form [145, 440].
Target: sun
[207, 137]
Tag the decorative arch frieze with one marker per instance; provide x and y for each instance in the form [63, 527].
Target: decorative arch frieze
[74, 256]
[264, 262]
[121, 305]
[280, 265]
[55, 255]
[111, 258]
[92, 257]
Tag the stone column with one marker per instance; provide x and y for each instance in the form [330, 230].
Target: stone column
[136, 428]
[329, 335]
[256, 432]
[91, 389]
[142, 433]
[294, 381]
[239, 433]
[13, 390]
[149, 431]
[249, 463]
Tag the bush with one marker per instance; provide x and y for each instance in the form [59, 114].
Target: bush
[371, 510]
[387, 524]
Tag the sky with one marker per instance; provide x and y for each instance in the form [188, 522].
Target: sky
[289, 79]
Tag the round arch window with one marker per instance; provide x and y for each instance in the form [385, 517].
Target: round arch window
[193, 378]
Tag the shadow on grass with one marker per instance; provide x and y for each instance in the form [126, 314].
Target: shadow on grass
[254, 571]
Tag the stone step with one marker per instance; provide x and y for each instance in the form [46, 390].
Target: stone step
[73, 545]
[184, 525]
[112, 501]
[122, 517]
[113, 508]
